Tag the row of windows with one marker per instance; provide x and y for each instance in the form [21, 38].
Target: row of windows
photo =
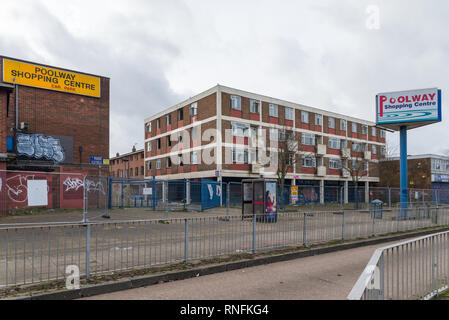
[440, 165]
[131, 172]
[168, 118]
[132, 157]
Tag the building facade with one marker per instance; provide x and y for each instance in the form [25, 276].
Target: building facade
[128, 165]
[427, 171]
[53, 121]
[223, 133]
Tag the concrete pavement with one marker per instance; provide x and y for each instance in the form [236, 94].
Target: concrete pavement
[328, 276]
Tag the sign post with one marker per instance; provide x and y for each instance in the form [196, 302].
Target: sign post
[402, 111]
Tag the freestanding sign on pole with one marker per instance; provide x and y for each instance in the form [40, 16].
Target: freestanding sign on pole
[405, 110]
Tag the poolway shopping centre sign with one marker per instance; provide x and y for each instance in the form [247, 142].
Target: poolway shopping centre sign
[32, 75]
[413, 108]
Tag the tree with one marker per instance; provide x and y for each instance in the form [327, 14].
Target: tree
[357, 167]
[286, 153]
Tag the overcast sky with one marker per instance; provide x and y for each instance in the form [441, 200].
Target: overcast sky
[319, 53]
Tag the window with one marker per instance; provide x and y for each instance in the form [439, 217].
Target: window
[382, 134]
[168, 162]
[193, 158]
[240, 156]
[130, 172]
[158, 143]
[142, 171]
[334, 143]
[289, 113]
[357, 147]
[308, 162]
[374, 150]
[365, 166]
[158, 123]
[136, 171]
[169, 141]
[344, 144]
[274, 135]
[180, 114]
[240, 129]
[273, 110]
[236, 102]
[149, 165]
[342, 124]
[373, 131]
[354, 127]
[148, 127]
[331, 123]
[168, 116]
[364, 129]
[194, 109]
[354, 164]
[304, 117]
[334, 164]
[194, 133]
[382, 150]
[283, 134]
[318, 120]
[254, 106]
[158, 164]
[308, 139]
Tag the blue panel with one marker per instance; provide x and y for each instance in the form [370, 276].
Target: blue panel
[9, 144]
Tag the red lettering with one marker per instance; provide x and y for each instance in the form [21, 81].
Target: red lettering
[432, 96]
[416, 98]
[401, 99]
[408, 99]
[382, 100]
[424, 97]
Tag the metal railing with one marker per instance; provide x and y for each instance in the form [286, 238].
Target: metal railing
[414, 269]
[38, 252]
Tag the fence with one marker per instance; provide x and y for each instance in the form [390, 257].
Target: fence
[33, 253]
[415, 269]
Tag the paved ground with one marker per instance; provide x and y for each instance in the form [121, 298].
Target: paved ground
[329, 276]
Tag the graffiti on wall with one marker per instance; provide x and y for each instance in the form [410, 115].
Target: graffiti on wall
[17, 187]
[40, 146]
[75, 184]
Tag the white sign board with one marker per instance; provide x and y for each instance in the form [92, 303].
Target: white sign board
[37, 193]
[147, 191]
[413, 108]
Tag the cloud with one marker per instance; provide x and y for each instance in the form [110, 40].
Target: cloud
[158, 53]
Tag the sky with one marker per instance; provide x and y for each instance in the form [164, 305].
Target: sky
[333, 55]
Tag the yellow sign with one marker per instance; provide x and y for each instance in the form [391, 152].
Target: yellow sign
[27, 74]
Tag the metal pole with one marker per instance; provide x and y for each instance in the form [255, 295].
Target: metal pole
[186, 240]
[343, 227]
[88, 251]
[403, 167]
[84, 201]
[304, 231]
[228, 195]
[254, 233]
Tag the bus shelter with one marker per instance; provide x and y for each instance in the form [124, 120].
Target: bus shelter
[259, 198]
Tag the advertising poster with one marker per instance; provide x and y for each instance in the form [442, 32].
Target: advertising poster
[271, 198]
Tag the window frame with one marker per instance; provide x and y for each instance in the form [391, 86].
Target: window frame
[236, 102]
[271, 110]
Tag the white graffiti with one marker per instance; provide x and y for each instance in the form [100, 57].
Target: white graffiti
[76, 183]
[94, 186]
[17, 188]
[72, 183]
[40, 146]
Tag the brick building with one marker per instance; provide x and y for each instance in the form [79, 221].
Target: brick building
[216, 135]
[427, 171]
[128, 165]
[51, 120]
